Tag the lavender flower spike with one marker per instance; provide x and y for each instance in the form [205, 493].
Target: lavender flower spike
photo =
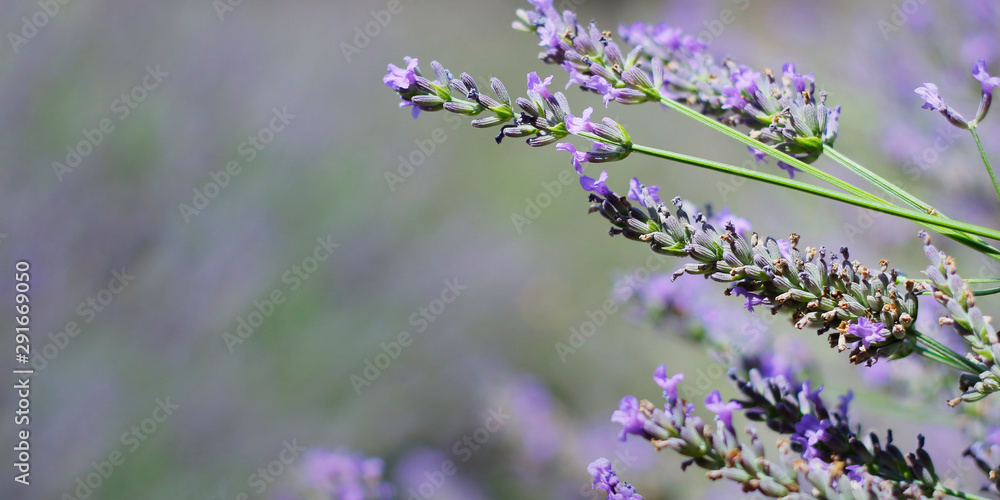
[606, 479]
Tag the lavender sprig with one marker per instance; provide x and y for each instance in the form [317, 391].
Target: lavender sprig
[784, 111]
[976, 329]
[860, 306]
[821, 459]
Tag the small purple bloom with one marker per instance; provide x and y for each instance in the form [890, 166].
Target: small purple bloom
[734, 98]
[752, 298]
[788, 168]
[415, 112]
[399, 78]
[932, 100]
[574, 75]
[542, 87]
[598, 186]
[758, 155]
[599, 84]
[745, 79]
[845, 402]
[579, 157]
[798, 81]
[811, 431]
[979, 73]
[606, 479]
[576, 125]
[723, 411]
[669, 384]
[635, 191]
[785, 248]
[868, 332]
[629, 416]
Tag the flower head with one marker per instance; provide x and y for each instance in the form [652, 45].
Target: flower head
[606, 479]
[535, 83]
[668, 384]
[811, 431]
[723, 411]
[752, 300]
[635, 191]
[932, 100]
[867, 331]
[576, 125]
[629, 416]
[596, 185]
[398, 78]
[979, 73]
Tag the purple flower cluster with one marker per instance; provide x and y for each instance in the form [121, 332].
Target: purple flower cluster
[934, 102]
[661, 62]
[607, 480]
[342, 475]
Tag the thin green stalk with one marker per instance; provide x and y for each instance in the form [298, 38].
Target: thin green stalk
[944, 354]
[958, 494]
[819, 191]
[749, 141]
[911, 200]
[974, 243]
[986, 160]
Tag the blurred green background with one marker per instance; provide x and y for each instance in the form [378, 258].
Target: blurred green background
[225, 74]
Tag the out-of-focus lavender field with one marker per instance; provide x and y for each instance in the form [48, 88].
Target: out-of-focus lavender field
[231, 258]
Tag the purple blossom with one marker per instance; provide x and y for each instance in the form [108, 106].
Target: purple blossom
[630, 418]
[601, 86]
[635, 191]
[606, 479]
[811, 431]
[807, 394]
[785, 248]
[596, 185]
[788, 168]
[576, 125]
[745, 79]
[845, 404]
[734, 99]
[668, 384]
[723, 411]
[752, 298]
[798, 81]
[932, 100]
[574, 75]
[579, 157]
[399, 78]
[868, 332]
[758, 155]
[988, 82]
[538, 85]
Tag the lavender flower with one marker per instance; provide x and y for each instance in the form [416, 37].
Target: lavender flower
[723, 411]
[635, 191]
[814, 286]
[342, 475]
[868, 332]
[988, 82]
[606, 479]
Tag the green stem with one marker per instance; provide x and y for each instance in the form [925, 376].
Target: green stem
[986, 160]
[943, 354]
[967, 240]
[911, 200]
[749, 141]
[957, 494]
[923, 218]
